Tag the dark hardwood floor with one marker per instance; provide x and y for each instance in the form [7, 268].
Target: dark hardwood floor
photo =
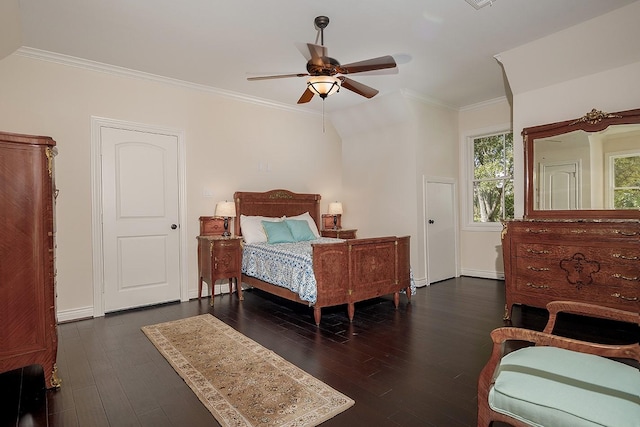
[415, 366]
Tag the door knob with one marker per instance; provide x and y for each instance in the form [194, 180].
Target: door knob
[431, 221]
[174, 226]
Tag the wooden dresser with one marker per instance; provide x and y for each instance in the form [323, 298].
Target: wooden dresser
[27, 254]
[595, 261]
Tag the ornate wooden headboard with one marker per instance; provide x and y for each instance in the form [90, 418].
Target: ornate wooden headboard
[275, 203]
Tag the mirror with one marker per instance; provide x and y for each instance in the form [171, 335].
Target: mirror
[584, 168]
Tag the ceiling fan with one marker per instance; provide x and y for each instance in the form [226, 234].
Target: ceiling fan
[326, 75]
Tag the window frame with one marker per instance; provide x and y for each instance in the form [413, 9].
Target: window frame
[467, 169]
[610, 186]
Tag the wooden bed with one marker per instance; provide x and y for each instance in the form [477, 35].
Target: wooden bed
[348, 272]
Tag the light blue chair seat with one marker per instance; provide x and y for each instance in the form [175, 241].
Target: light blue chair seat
[549, 386]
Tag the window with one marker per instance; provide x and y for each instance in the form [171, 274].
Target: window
[491, 179]
[626, 181]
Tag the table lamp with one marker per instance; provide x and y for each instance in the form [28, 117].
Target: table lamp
[226, 210]
[335, 209]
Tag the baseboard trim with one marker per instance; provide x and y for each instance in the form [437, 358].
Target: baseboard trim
[87, 312]
[483, 274]
[75, 314]
[421, 282]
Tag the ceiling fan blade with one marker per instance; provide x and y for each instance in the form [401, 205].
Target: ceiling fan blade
[313, 52]
[306, 96]
[280, 76]
[304, 50]
[369, 65]
[357, 87]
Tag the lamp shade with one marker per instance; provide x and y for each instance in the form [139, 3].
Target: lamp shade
[335, 208]
[324, 85]
[226, 209]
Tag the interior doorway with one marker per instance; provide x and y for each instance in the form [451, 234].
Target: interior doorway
[139, 246]
[440, 229]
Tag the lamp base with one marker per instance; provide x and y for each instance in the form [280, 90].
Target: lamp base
[226, 228]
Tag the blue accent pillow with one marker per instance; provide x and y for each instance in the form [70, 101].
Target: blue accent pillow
[277, 232]
[300, 230]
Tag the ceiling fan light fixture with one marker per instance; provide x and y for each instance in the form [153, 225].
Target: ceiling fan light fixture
[324, 86]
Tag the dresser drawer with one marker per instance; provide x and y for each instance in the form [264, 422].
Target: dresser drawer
[576, 230]
[211, 226]
[625, 294]
[227, 244]
[578, 269]
[621, 254]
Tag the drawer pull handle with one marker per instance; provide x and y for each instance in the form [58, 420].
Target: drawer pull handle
[617, 295]
[631, 258]
[530, 267]
[531, 285]
[620, 276]
[579, 231]
[533, 251]
[538, 231]
[626, 233]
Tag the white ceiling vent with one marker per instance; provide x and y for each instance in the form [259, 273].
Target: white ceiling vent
[479, 4]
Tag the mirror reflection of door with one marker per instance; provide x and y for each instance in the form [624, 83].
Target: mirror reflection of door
[560, 186]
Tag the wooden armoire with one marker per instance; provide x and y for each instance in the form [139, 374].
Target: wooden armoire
[28, 334]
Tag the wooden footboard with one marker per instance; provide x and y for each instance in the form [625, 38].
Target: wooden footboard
[361, 269]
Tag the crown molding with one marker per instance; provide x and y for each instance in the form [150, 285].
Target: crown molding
[483, 104]
[409, 94]
[85, 64]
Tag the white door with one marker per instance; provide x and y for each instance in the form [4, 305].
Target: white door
[441, 231]
[140, 229]
[560, 185]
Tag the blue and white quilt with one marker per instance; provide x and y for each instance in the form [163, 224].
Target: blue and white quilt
[289, 265]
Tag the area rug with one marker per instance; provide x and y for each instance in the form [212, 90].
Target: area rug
[238, 380]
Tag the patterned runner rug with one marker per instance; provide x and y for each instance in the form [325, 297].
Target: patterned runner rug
[238, 380]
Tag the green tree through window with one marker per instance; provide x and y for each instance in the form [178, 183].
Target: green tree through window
[626, 191]
[493, 178]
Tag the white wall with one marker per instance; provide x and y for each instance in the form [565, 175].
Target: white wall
[226, 141]
[559, 77]
[613, 90]
[385, 158]
[481, 251]
[595, 64]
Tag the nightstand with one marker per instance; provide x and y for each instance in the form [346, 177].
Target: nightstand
[219, 258]
[341, 233]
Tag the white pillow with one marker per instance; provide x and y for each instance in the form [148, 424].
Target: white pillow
[252, 230]
[312, 224]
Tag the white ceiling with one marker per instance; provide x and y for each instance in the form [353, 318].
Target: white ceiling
[444, 48]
